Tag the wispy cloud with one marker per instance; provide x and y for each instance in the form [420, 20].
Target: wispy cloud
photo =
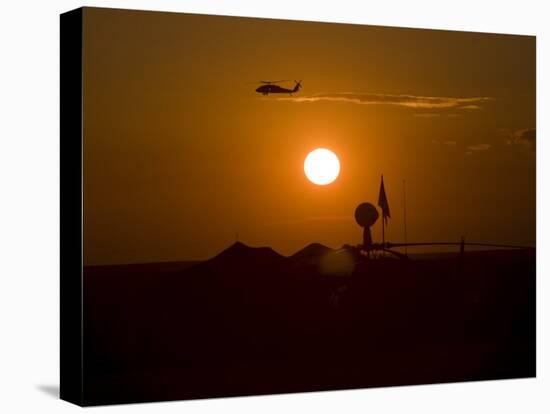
[409, 101]
[309, 219]
[525, 136]
[449, 143]
[426, 115]
[479, 147]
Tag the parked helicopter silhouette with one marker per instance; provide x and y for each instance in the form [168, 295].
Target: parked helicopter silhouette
[271, 87]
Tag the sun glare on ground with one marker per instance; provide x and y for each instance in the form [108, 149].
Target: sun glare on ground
[321, 166]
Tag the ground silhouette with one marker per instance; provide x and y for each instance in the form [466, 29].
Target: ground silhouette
[250, 321]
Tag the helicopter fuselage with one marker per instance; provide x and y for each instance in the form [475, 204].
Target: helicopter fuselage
[269, 88]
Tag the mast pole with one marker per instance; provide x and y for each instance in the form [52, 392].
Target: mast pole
[405, 216]
[383, 230]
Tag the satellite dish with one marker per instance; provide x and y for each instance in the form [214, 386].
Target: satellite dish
[366, 214]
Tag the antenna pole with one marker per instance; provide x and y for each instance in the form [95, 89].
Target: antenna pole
[405, 216]
[383, 232]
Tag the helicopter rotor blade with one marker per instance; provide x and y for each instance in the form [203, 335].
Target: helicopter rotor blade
[276, 81]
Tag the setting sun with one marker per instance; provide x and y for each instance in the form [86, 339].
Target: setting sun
[322, 166]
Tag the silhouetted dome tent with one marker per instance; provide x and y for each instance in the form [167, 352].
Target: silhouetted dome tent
[312, 250]
[241, 254]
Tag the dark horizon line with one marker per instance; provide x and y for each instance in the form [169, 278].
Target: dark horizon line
[498, 247]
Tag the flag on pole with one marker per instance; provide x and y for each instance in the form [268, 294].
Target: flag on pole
[383, 202]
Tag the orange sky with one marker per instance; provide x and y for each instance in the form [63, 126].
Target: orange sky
[180, 153]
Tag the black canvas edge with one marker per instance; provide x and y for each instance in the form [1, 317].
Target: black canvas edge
[71, 322]
[71, 212]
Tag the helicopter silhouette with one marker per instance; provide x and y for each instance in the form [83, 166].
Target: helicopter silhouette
[271, 87]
